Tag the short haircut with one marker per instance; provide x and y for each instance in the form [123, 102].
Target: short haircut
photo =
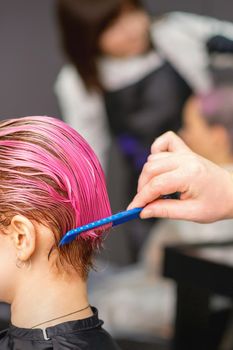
[217, 108]
[81, 24]
[50, 174]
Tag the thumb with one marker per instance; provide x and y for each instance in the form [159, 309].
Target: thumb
[171, 209]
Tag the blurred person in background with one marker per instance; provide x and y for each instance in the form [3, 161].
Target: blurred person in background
[208, 131]
[129, 75]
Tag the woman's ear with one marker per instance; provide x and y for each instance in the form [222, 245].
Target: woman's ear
[23, 234]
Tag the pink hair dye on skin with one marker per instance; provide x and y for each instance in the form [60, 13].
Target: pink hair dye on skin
[49, 173]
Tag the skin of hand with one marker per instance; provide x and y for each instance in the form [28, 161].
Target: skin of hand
[206, 189]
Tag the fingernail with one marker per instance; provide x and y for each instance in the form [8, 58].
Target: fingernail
[131, 204]
[146, 213]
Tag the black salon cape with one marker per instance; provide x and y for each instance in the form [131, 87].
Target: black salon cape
[86, 334]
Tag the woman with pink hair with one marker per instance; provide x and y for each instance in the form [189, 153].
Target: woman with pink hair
[50, 182]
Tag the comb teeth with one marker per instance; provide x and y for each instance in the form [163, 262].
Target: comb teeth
[70, 235]
[90, 226]
[115, 219]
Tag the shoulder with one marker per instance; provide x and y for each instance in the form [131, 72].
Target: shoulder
[68, 79]
[180, 19]
[182, 24]
[90, 338]
[72, 95]
[186, 24]
[100, 339]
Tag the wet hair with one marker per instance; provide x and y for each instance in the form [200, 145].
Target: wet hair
[49, 174]
[81, 23]
[217, 108]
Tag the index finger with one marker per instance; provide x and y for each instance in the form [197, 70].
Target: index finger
[168, 142]
[158, 164]
[163, 184]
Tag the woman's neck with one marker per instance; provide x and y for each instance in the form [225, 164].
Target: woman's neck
[42, 296]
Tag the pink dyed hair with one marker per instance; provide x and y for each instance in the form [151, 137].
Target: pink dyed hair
[50, 174]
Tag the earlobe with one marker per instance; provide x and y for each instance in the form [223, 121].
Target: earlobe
[23, 233]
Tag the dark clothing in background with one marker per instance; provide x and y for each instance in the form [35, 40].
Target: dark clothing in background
[86, 334]
[149, 107]
[137, 114]
[220, 44]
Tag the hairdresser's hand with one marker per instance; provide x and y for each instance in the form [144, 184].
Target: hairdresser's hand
[206, 189]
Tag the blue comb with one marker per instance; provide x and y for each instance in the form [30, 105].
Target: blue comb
[115, 219]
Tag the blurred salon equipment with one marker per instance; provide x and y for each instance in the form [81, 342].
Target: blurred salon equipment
[203, 273]
[220, 50]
